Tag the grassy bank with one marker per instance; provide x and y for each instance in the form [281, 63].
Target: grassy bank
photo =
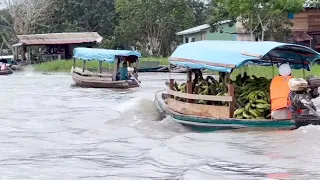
[65, 65]
[269, 72]
[260, 71]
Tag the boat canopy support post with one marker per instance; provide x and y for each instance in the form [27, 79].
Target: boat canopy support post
[233, 102]
[84, 65]
[74, 63]
[272, 64]
[171, 85]
[303, 70]
[115, 69]
[189, 84]
[137, 64]
[100, 67]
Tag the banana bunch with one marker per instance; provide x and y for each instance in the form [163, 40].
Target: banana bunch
[207, 86]
[210, 86]
[253, 98]
[241, 79]
[181, 88]
[258, 107]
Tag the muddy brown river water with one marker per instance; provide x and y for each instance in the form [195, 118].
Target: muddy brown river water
[51, 130]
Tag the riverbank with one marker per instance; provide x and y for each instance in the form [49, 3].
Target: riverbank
[260, 71]
[269, 72]
[66, 65]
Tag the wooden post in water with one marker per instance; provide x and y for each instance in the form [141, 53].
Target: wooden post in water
[84, 64]
[100, 67]
[231, 104]
[189, 84]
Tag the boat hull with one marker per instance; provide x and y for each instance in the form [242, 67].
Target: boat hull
[203, 124]
[155, 69]
[101, 82]
[178, 70]
[16, 67]
[6, 72]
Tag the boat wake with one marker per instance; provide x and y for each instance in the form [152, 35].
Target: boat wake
[142, 115]
[128, 105]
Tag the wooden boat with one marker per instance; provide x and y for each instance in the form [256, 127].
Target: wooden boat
[154, 66]
[164, 69]
[16, 67]
[150, 66]
[85, 78]
[178, 70]
[154, 69]
[9, 60]
[203, 117]
[6, 72]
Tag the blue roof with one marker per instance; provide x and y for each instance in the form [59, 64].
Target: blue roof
[226, 55]
[108, 55]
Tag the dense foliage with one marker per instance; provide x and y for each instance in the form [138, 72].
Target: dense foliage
[152, 24]
[148, 25]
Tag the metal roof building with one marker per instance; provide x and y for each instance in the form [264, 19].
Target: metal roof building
[53, 45]
[60, 38]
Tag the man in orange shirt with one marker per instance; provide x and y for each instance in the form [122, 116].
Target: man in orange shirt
[279, 93]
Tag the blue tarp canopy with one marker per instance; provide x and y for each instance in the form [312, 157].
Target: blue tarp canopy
[107, 55]
[224, 56]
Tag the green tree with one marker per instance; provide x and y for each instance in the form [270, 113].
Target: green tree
[22, 17]
[75, 15]
[257, 14]
[151, 24]
[200, 11]
[220, 12]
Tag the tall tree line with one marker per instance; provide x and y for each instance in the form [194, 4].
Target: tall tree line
[148, 25]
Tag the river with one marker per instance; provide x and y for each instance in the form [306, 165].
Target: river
[52, 130]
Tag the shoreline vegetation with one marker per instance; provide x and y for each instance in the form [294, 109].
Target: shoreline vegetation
[259, 71]
[65, 65]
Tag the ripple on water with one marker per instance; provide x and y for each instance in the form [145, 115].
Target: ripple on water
[53, 130]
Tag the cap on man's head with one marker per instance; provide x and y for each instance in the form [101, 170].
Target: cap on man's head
[284, 70]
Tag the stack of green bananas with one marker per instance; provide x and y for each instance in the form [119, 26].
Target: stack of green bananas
[181, 88]
[208, 86]
[253, 97]
[258, 107]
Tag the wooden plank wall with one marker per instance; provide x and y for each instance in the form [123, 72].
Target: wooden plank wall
[198, 109]
[307, 21]
[313, 20]
[300, 22]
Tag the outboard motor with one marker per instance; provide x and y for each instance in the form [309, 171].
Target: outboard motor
[301, 95]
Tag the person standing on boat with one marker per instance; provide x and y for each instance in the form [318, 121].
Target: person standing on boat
[279, 93]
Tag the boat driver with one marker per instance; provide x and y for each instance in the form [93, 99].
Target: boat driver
[279, 93]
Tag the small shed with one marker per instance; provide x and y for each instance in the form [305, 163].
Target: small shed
[44, 47]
